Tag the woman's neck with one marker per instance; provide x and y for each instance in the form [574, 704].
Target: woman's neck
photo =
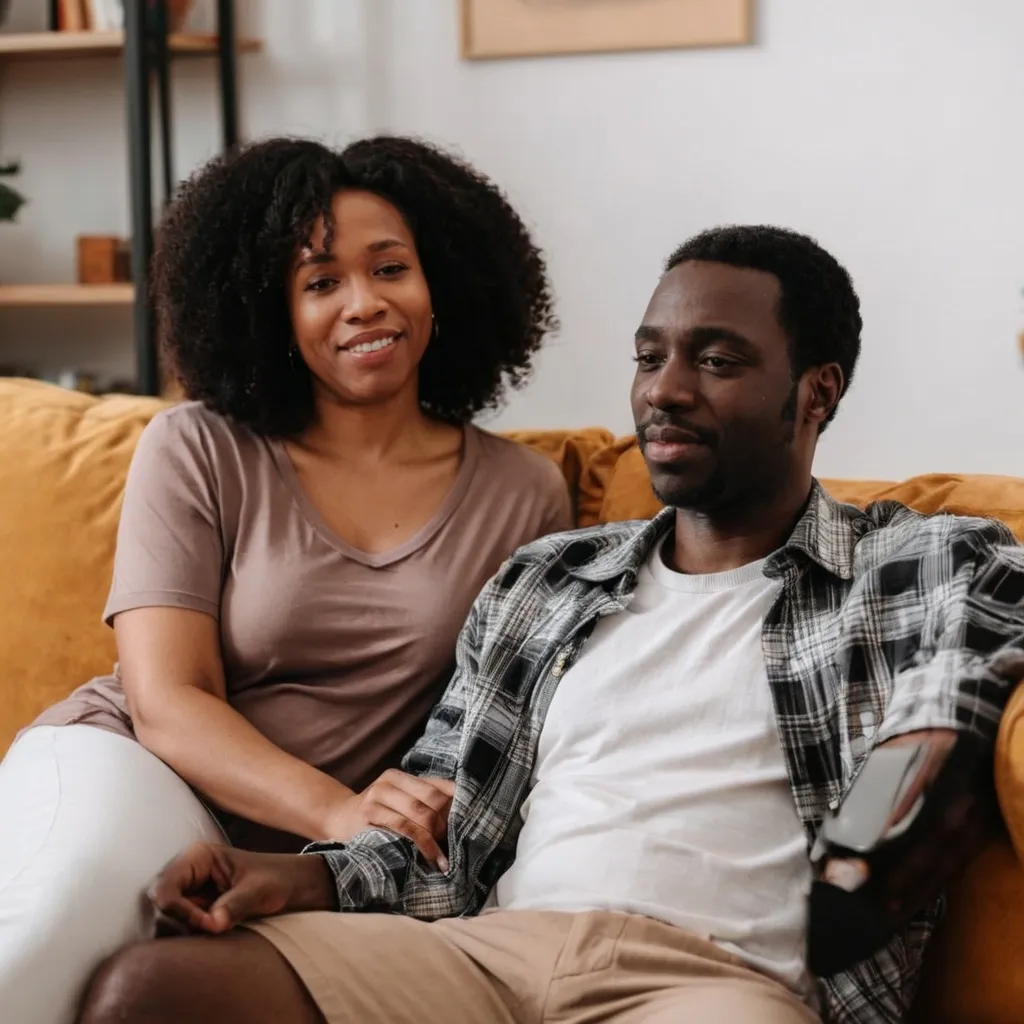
[396, 431]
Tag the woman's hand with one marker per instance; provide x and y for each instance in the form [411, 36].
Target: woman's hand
[211, 888]
[410, 805]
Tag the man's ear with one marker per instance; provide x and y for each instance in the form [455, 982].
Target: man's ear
[825, 384]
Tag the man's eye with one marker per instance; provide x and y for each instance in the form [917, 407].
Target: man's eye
[647, 360]
[716, 363]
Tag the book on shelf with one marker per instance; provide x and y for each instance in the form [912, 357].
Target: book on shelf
[71, 16]
[87, 15]
[106, 15]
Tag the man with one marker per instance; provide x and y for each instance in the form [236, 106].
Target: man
[647, 725]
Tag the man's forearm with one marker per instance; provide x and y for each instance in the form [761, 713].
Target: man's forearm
[313, 886]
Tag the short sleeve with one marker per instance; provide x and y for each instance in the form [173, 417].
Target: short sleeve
[170, 548]
[559, 513]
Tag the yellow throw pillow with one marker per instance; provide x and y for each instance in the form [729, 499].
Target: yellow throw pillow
[63, 461]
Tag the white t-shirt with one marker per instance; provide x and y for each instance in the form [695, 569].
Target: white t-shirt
[660, 787]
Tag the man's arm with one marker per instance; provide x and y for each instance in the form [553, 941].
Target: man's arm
[975, 654]
[213, 888]
[973, 659]
[379, 870]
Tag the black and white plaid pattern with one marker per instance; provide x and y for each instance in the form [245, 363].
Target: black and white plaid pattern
[887, 622]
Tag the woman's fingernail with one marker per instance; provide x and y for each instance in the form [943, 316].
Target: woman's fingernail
[442, 864]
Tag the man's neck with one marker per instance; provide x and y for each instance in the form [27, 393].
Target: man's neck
[717, 542]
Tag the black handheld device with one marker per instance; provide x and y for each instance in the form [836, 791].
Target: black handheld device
[871, 875]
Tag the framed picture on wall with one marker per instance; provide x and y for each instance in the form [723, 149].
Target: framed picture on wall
[534, 28]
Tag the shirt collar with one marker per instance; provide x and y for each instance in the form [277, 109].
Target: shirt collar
[826, 533]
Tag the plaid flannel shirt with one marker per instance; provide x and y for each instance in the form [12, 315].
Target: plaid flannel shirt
[886, 622]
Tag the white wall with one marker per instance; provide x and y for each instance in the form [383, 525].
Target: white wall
[889, 129]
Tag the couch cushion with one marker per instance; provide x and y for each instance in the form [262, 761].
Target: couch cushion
[572, 450]
[63, 460]
[627, 490]
[974, 967]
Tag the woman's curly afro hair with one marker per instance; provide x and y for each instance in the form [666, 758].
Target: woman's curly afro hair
[227, 243]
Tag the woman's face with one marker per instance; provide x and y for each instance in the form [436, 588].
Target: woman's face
[361, 310]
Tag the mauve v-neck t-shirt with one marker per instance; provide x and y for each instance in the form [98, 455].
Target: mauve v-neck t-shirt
[333, 654]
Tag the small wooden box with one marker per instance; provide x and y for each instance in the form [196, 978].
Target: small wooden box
[103, 259]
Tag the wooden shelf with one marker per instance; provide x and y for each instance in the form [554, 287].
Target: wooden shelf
[66, 295]
[72, 45]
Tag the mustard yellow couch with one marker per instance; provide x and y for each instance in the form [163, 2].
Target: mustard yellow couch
[63, 459]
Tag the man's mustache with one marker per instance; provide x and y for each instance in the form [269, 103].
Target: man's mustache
[663, 426]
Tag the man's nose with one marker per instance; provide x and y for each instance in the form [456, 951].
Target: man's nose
[675, 385]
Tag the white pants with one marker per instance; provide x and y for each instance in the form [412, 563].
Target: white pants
[87, 818]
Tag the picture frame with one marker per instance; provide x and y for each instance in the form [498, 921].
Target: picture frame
[493, 29]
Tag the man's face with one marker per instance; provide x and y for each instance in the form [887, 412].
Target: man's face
[713, 399]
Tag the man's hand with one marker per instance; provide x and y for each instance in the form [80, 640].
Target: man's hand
[961, 827]
[414, 807]
[212, 888]
[938, 744]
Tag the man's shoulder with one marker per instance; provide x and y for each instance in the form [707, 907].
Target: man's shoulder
[560, 556]
[892, 530]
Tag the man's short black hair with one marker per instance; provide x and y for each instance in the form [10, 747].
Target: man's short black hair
[818, 307]
[229, 237]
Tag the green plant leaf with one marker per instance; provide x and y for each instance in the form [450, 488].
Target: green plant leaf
[10, 203]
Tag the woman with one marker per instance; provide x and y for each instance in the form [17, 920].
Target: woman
[299, 544]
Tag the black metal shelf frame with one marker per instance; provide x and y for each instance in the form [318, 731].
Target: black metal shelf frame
[146, 57]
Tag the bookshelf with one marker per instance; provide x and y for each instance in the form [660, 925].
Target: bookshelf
[24, 46]
[147, 50]
[13, 295]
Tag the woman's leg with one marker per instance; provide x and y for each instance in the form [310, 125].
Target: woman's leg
[87, 818]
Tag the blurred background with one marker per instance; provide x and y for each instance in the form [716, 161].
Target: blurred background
[891, 130]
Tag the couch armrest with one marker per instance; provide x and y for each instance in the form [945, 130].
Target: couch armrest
[1009, 768]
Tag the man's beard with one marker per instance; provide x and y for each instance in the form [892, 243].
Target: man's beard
[734, 480]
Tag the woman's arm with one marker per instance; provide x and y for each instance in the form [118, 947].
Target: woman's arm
[173, 677]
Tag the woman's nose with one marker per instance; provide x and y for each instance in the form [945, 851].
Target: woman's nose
[364, 301]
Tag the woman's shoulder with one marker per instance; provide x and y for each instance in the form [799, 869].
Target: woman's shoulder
[191, 426]
[514, 461]
[536, 480]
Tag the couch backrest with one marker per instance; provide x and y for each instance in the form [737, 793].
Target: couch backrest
[614, 486]
[63, 461]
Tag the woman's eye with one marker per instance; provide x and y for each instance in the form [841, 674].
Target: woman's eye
[319, 284]
[391, 269]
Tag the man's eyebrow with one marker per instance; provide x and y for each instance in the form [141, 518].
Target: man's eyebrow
[645, 332]
[708, 335]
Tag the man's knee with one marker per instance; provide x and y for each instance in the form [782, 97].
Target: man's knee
[145, 982]
[238, 978]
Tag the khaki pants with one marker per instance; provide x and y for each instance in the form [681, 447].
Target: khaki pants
[523, 967]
